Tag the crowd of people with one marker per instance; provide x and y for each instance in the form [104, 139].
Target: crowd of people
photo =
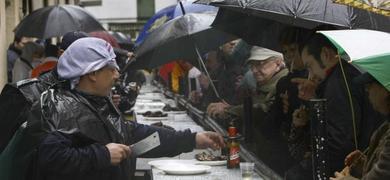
[75, 129]
[70, 127]
[279, 87]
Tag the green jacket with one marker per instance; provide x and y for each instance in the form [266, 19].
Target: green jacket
[264, 97]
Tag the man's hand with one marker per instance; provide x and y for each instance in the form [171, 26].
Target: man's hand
[217, 109]
[341, 175]
[130, 55]
[118, 152]
[204, 81]
[116, 99]
[355, 159]
[238, 81]
[208, 139]
[306, 88]
[300, 117]
[195, 97]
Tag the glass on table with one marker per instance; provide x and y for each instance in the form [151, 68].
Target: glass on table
[246, 170]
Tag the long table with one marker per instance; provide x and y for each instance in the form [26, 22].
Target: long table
[181, 122]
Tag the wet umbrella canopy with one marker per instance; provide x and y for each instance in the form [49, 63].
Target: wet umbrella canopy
[368, 50]
[180, 38]
[53, 21]
[256, 21]
[307, 13]
[169, 13]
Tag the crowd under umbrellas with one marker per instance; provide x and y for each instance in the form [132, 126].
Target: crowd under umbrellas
[304, 83]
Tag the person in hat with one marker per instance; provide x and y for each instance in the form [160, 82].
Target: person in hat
[267, 67]
[88, 138]
[293, 140]
[69, 38]
[376, 162]
[32, 88]
[16, 102]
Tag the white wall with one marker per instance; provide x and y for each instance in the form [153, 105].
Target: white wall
[161, 4]
[3, 46]
[114, 9]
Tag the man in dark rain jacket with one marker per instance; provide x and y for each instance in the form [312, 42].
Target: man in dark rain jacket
[88, 139]
[17, 98]
[326, 69]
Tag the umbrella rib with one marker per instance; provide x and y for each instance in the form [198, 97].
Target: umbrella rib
[207, 73]
[53, 10]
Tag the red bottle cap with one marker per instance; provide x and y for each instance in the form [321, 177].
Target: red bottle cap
[232, 131]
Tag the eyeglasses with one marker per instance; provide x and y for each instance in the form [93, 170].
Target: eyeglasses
[258, 64]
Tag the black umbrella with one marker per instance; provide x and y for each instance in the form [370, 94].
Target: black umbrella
[180, 38]
[186, 38]
[256, 21]
[53, 21]
[123, 40]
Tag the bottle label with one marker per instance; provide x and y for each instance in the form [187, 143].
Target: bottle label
[234, 155]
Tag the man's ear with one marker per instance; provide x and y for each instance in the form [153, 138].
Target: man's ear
[60, 52]
[92, 76]
[328, 55]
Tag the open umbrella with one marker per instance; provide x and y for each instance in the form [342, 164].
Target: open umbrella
[123, 40]
[187, 37]
[307, 13]
[105, 36]
[181, 38]
[376, 6]
[368, 50]
[53, 21]
[120, 37]
[169, 13]
[260, 22]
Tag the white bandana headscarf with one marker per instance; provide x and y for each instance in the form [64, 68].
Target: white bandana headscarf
[84, 56]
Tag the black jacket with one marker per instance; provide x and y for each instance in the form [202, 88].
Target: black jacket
[276, 122]
[340, 127]
[78, 126]
[16, 100]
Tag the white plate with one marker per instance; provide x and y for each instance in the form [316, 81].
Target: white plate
[175, 112]
[156, 118]
[170, 162]
[211, 163]
[184, 169]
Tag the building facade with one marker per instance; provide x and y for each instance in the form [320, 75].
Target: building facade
[127, 16]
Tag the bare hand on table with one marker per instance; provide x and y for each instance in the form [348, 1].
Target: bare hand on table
[208, 139]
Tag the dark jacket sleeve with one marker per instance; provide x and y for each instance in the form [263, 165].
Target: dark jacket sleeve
[271, 124]
[172, 142]
[62, 153]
